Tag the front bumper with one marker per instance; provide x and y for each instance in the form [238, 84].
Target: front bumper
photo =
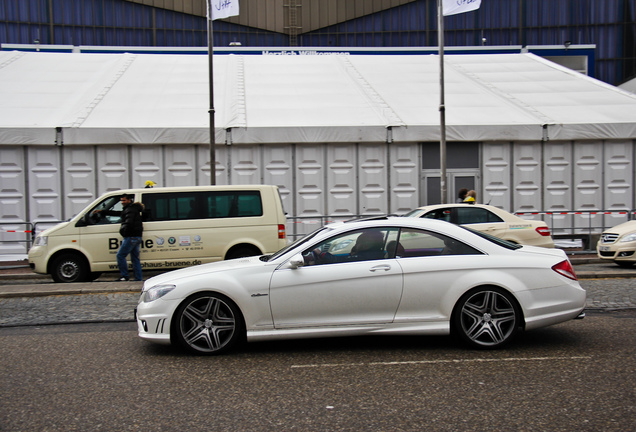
[615, 252]
[37, 259]
[154, 320]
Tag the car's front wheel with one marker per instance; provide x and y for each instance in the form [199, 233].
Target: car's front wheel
[487, 317]
[69, 267]
[207, 323]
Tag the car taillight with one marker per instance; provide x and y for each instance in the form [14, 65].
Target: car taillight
[281, 231]
[544, 231]
[564, 268]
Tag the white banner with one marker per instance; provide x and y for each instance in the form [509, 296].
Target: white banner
[454, 7]
[219, 9]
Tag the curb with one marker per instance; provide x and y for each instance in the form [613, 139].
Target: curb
[40, 287]
[39, 291]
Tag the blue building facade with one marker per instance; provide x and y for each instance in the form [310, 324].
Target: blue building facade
[608, 24]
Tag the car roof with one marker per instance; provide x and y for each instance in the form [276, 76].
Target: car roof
[501, 212]
[397, 221]
[436, 206]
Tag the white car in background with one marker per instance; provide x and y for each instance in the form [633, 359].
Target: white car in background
[385, 275]
[619, 244]
[491, 220]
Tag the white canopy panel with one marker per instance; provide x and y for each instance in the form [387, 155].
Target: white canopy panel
[155, 99]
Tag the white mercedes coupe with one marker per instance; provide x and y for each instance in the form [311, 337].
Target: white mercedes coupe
[381, 275]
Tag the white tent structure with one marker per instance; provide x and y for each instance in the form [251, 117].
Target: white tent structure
[340, 134]
[162, 99]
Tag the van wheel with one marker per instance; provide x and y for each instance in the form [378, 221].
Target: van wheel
[69, 268]
[242, 252]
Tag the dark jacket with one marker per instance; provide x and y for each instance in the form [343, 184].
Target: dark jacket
[131, 225]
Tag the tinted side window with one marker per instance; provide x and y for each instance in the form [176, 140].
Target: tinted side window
[419, 243]
[201, 205]
[360, 245]
[233, 204]
[443, 214]
[470, 215]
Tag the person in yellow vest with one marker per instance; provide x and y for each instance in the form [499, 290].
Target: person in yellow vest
[471, 197]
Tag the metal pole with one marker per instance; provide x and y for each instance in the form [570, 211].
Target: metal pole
[442, 106]
[211, 110]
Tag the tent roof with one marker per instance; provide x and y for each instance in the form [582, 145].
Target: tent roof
[155, 99]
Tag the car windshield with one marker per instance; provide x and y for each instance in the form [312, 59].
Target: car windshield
[298, 242]
[412, 213]
[496, 240]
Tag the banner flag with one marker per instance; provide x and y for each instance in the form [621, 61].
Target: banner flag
[219, 9]
[454, 7]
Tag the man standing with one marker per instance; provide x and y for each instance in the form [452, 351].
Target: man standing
[131, 230]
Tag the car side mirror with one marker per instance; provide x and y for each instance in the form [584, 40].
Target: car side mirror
[297, 261]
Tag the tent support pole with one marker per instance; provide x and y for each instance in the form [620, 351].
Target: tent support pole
[211, 111]
[442, 106]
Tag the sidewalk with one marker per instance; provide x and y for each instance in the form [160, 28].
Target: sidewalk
[20, 281]
[16, 280]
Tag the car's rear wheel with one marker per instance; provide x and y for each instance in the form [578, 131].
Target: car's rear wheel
[207, 323]
[487, 317]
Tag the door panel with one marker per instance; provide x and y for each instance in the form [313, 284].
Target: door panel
[333, 294]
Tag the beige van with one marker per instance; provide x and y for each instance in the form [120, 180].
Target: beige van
[183, 226]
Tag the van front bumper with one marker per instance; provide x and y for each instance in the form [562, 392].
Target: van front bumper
[37, 260]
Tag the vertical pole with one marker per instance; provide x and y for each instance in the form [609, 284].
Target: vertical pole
[442, 106]
[211, 110]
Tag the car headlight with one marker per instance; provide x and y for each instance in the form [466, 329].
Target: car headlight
[629, 238]
[41, 241]
[157, 291]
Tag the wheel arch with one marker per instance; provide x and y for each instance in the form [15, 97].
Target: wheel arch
[476, 288]
[236, 248]
[55, 255]
[174, 321]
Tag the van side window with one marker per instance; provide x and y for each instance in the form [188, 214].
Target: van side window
[201, 205]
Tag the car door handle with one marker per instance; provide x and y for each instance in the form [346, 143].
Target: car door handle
[384, 267]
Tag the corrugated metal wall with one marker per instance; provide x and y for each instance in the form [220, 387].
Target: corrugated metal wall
[49, 183]
[554, 176]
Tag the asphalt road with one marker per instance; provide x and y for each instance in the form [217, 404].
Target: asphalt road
[577, 375]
